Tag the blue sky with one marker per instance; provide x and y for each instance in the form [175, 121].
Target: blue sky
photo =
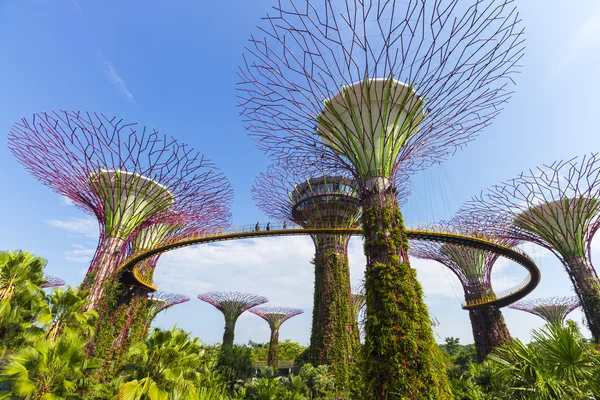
[172, 66]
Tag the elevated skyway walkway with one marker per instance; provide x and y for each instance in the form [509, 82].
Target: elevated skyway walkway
[434, 233]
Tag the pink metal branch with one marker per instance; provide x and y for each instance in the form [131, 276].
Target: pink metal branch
[459, 58]
[552, 309]
[52, 281]
[232, 304]
[275, 316]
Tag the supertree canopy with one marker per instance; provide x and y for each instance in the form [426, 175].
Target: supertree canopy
[555, 206]
[160, 301]
[124, 174]
[52, 282]
[379, 88]
[473, 267]
[553, 310]
[275, 316]
[232, 305]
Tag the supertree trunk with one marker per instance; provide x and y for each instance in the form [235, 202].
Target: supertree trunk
[229, 332]
[333, 330]
[404, 361]
[587, 288]
[273, 359]
[489, 330]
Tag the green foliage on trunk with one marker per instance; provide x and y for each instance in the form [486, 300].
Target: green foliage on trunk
[402, 358]
[333, 336]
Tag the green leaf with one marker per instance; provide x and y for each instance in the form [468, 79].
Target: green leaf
[156, 393]
[4, 308]
[4, 258]
[131, 391]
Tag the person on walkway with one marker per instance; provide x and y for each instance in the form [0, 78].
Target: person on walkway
[256, 227]
[268, 226]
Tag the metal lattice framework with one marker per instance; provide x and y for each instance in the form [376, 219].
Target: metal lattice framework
[556, 206]
[473, 266]
[311, 197]
[380, 88]
[447, 64]
[122, 173]
[52, 282]
[276, 316]
[553, 310]
[232, 305]
[160, 301]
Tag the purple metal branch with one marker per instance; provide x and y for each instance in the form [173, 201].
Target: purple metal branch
[275, 316]
[458, 59]
[52, 281]
[553, 310]
[556, 206]
[124, 174]
[160, 301]
[279, 193]
[232, 304]
[472, 266]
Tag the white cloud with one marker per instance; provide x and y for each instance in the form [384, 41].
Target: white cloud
[87, 227]
[80, 254]
[114, 78]
[278, 268]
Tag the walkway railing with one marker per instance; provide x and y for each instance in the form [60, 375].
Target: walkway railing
[432, 232]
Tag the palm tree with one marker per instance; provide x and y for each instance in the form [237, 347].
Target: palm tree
[173, 362]
[68, 313]
[558, 364]
[48, 369]
[22, 304]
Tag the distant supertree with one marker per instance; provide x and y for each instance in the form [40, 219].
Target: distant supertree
[359, 300]
[553, 310]
[473, 267]
[379, 88]
[124, 174]
[275, 316]
[232, 305]
[160, 301]
[52, 282]
[556, 206]
[311, 199]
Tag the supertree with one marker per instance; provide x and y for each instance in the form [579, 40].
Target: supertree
[556, 206]
[129, 178]
[232, 305]
[160, 301]
[275, 316]
[359, 300]
[418, 80]
[311, 199]
[473, 267]
[52, 282]
[553, 310]
[121, 173]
